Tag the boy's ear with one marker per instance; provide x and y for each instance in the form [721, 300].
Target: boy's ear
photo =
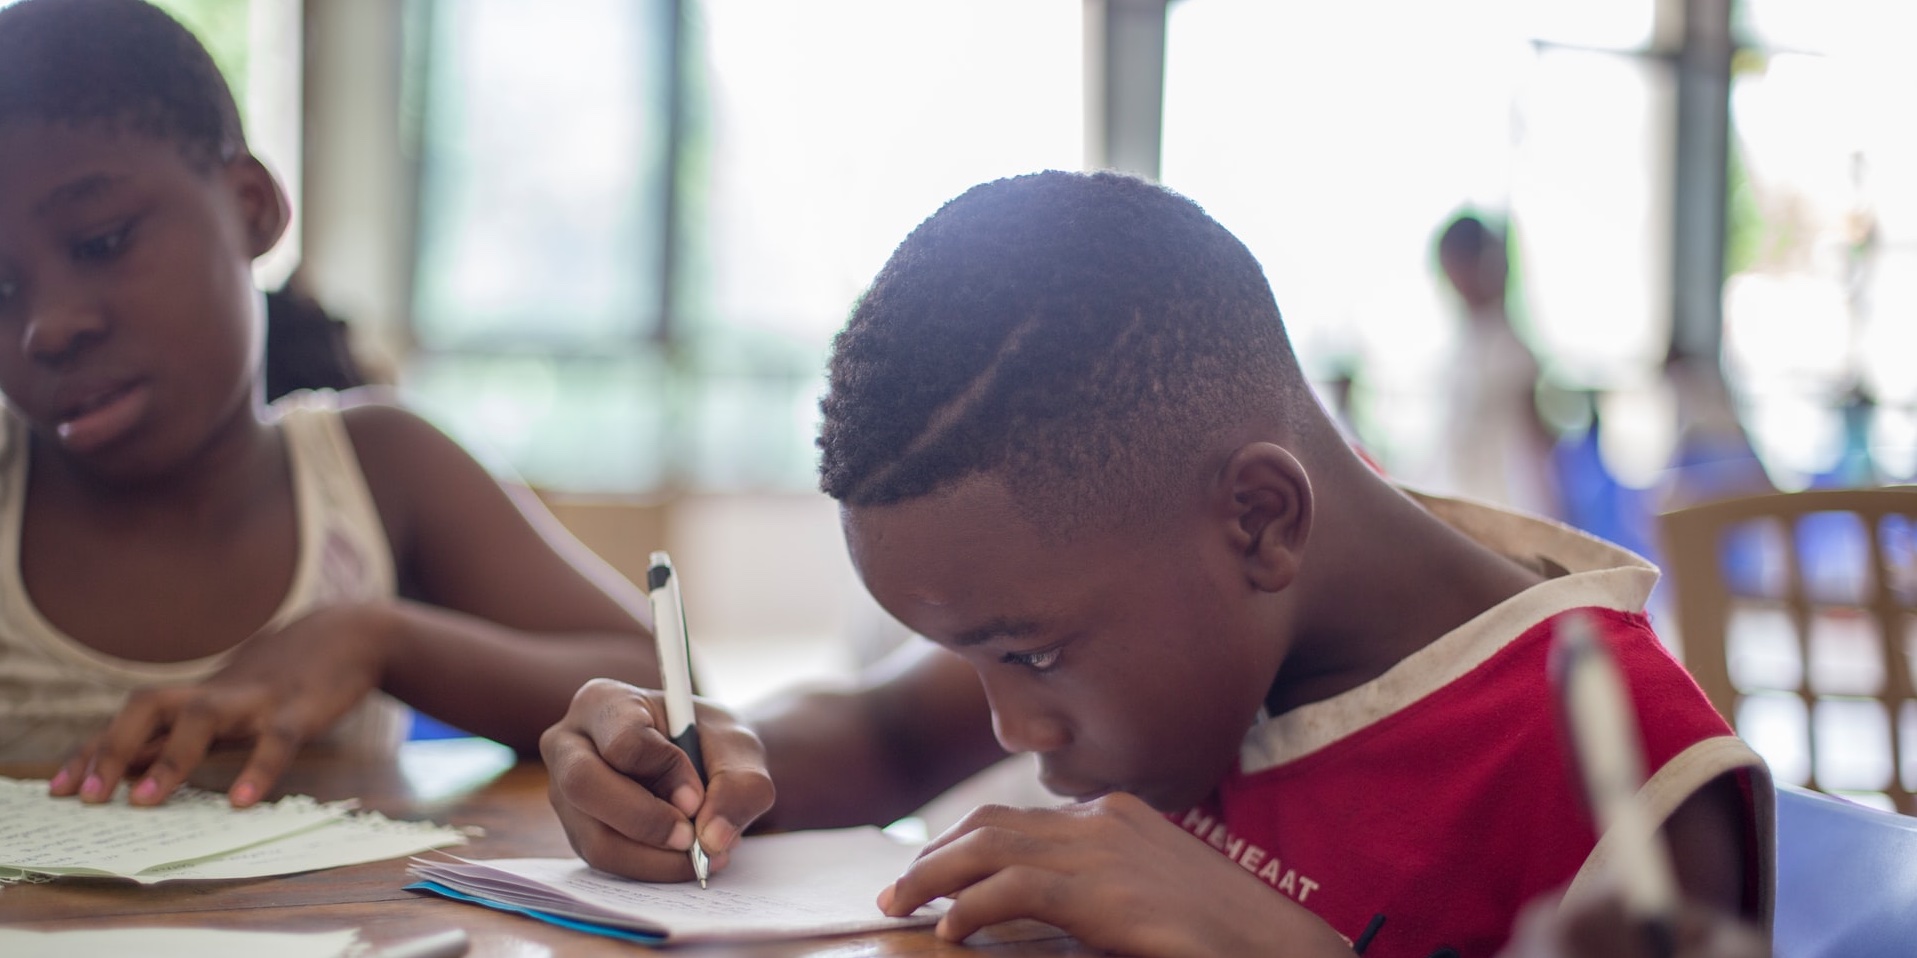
[264, 207]
[1265, 493]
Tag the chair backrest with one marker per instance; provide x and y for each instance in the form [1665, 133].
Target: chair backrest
[1861, 600]
[1846, 879]
[621, 530]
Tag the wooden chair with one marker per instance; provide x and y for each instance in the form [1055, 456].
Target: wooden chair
[1874, 591]
[621, 530]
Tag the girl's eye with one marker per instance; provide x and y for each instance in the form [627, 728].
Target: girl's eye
[104, 246]
[1040, 661]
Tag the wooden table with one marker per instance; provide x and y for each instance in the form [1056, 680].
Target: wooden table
[456, 783]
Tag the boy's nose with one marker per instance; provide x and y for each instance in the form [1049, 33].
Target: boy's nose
[1024, 727]
[59, 327]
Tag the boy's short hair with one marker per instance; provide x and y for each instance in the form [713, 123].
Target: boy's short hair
[1081, 337]
[118, 62]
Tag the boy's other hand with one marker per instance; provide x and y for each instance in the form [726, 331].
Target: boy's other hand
[1115, 874]
[280, 690]
[630, 800]
[1600, 929]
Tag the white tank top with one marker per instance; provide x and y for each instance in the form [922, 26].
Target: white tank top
[56, 693]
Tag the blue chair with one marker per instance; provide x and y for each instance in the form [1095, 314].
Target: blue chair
[1846, 879]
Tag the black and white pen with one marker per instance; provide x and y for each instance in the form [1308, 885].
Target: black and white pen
[675, 673]
[1610, 759]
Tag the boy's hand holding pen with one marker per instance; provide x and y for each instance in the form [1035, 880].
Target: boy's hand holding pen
[675, 673]
[640, 787]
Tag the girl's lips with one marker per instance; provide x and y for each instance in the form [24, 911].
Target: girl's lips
[105, 420]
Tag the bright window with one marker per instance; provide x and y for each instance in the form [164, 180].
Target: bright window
[611, 302]
[1820, 308]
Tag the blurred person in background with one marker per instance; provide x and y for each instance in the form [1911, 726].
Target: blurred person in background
[1497, 448]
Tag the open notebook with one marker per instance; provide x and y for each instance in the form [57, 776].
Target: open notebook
[797, 885]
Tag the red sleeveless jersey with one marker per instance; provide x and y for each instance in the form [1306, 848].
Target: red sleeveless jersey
[1439, 799]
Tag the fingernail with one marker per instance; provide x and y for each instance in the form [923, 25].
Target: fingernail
[885, 899]
[685, 798]
[146, 791]
[95, 788]
[681, 837]
[718, 835]
[245, 793]
[60, 780]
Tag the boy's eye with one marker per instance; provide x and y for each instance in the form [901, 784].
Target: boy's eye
[104, 246]
[1040, 661]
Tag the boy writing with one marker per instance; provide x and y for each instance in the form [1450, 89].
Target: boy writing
[1298, 709]
[180, 564]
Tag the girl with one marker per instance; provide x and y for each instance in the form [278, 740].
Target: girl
[181, 564]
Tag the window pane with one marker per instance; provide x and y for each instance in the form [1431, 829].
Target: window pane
[1620, 25]
[541, 179]
[585, 424]
[1820, 308]
[822, 132]
[1826, 26]
[834, 126]
[1285, 123]
[1591, 212]
[1338, 152]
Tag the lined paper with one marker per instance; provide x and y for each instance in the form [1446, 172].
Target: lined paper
[797, 885]
[196, 834]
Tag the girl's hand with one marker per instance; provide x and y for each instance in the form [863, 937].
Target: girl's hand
[631, 801]
[280, 690]
[1112, 872]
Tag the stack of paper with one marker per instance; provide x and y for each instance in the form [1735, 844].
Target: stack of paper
[799, 885]
[195, 834]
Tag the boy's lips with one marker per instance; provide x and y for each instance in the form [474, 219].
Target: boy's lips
[1078, 791]
[101, 416]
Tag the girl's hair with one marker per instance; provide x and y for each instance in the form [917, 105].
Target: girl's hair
[121, 62]
[305, 347]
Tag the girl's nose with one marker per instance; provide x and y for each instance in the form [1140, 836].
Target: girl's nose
[60, 324]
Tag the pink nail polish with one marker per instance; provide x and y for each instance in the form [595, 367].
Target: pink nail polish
[95, 787]
[146, 791]
[245, 794]
[60, 780]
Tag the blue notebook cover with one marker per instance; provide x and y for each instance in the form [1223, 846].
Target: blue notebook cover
[589, 928]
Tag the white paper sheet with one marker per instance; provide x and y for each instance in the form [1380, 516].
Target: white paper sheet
[175, 943]
[797, 885]
[195, 835]
[64, 835]
[352, 840]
